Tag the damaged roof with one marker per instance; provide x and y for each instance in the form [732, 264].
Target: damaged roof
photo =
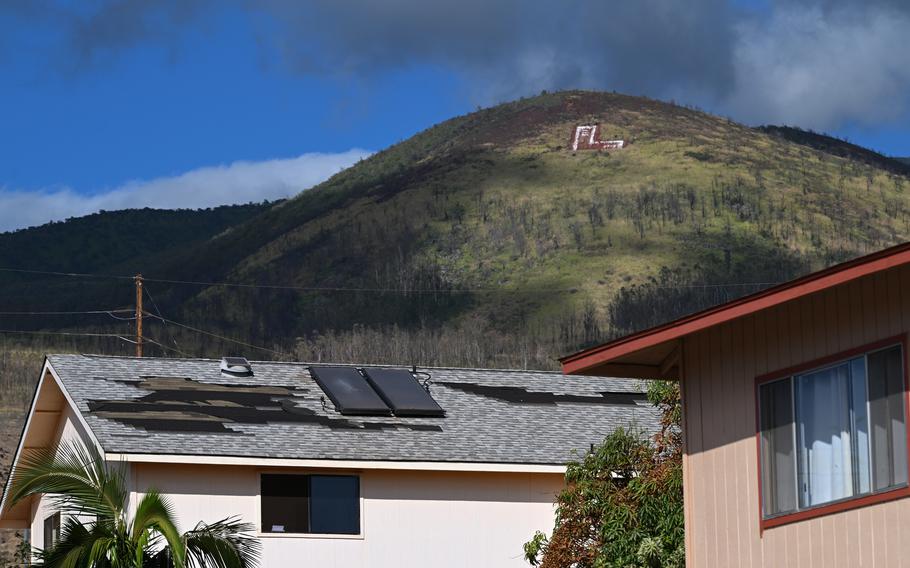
[189, 407]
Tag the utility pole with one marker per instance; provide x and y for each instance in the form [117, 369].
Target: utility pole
[138, 315]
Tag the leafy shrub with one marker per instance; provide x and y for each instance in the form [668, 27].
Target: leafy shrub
[623, 504]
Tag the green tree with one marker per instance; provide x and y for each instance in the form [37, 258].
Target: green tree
[97, 531]
[622, 506]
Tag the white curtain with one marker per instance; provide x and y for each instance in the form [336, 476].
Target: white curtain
[860, 425]
[825, 461]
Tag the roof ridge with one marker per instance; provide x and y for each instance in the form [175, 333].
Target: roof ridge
[318, 363]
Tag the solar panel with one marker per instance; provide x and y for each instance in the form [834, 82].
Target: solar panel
[349, 391]
[401, 391]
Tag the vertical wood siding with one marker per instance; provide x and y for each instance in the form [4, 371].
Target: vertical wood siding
[721, 462]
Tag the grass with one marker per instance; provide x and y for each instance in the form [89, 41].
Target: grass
[19, 370]
[499, 206]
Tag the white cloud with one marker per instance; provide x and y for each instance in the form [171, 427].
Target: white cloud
[238, 182]
[821, 66]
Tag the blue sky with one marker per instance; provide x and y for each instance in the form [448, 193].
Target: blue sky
[212, 97]
[109, 103]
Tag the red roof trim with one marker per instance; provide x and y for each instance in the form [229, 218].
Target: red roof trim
[815, 282]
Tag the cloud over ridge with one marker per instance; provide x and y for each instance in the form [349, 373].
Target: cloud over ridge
[237, 182]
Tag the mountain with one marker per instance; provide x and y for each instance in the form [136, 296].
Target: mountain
[497, 200]
[109, 242]
[116, 240]
[487, 240]
[838, 147]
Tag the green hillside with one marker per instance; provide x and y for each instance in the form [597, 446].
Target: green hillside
[838, 147]
[496, 200]
[485, 240]
[109, 242]
[121, 239]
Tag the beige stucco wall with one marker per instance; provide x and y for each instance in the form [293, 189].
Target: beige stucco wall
[721, 464]
[69, 429]
[455, 519]
[409, 518]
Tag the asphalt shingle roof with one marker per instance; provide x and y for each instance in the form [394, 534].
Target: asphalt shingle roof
[187, 406]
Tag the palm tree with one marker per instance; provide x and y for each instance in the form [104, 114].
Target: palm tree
[97, 531]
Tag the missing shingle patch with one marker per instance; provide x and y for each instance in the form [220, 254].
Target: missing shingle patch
[185, 405]
[520, 395]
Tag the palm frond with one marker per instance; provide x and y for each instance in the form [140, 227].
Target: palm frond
[228, 543]
[75, 478]
[154, 514]
[79, 483]
[74, 549]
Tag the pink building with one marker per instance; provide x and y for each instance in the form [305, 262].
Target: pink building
[795, 412]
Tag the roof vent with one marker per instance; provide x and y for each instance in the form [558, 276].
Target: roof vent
[236, 367]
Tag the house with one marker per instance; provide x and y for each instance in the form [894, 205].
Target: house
[338, 465]
[794, 417]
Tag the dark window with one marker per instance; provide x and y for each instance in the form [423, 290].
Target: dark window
[334, 504]
[51, 531]
[315, 504]
[833, 433]
[285, 502]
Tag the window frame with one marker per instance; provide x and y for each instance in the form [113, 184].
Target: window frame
[54, 519]
[331, 536]
[847, 503]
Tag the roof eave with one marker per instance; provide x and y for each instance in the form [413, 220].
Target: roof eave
[4, 501]
[47, 370]
[399, 465]
[594, 360]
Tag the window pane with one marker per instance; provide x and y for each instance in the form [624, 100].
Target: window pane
[778, 462]
[334, 504]
[51, 531]
[861, 461]
[284, 503]
[823, 431]
[886, 406]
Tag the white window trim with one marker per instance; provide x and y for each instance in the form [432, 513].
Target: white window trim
[319, 536]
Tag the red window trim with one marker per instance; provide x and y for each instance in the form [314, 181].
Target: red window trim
[851, 502]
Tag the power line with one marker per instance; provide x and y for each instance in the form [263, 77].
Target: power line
[365, 289]
[57, 273]
[734, 284]
[114, 336]
[360, 289]
[375, 289]
[123, 319]
[218, 336]
[158, 311]
[69, 313]
[166, 347]
[89, 334]
[66, 333]
[275, 286]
